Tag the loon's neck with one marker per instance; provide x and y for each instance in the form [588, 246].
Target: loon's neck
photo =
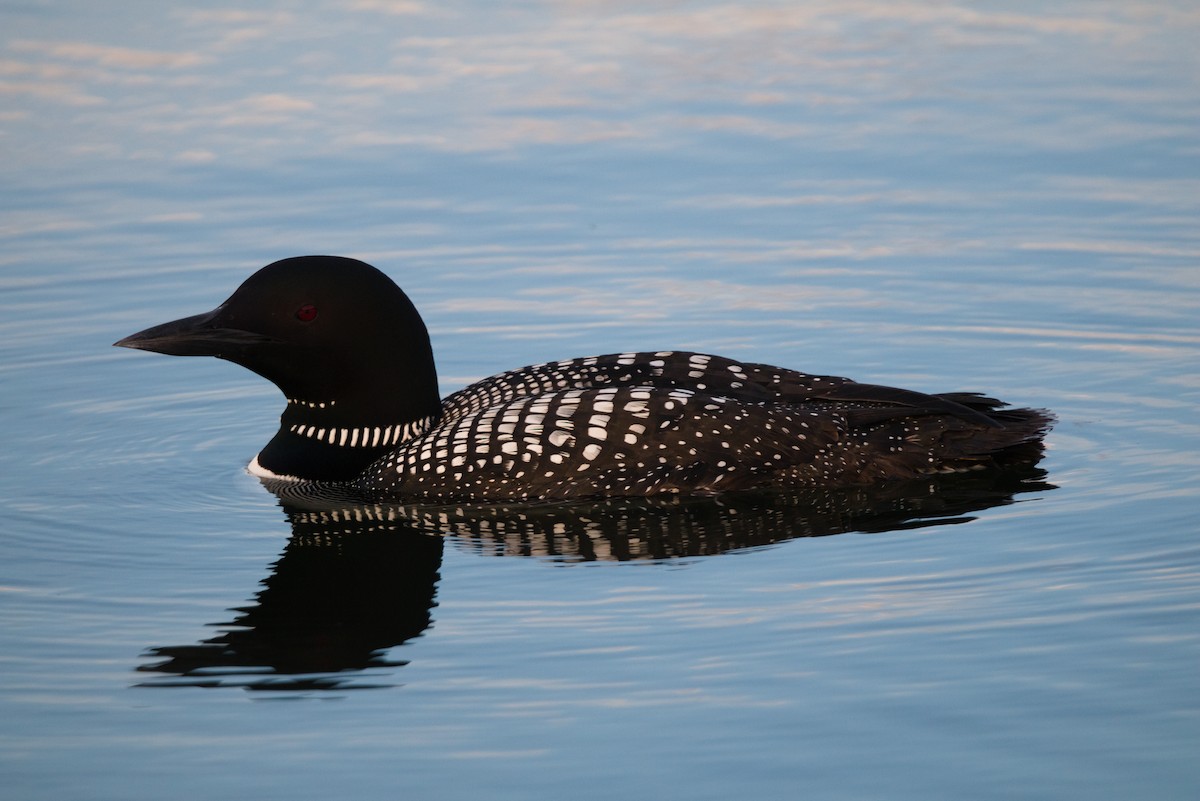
[335, 440]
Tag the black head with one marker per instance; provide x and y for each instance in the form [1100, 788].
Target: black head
[318, 327]
[336, 335]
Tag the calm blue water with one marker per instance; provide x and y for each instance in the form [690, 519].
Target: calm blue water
[989, 196]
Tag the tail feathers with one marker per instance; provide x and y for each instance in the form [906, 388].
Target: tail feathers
[1019, 424]
[1018, 442]
[938, 443]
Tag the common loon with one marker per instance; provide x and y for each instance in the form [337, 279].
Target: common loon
[351, 354]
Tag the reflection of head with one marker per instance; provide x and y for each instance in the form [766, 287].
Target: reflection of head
[341, 595]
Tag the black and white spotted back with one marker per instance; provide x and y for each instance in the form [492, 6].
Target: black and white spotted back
[651, 423]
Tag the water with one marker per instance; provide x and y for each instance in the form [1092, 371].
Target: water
[989, 196]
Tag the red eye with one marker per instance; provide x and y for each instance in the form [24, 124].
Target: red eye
[306, 313]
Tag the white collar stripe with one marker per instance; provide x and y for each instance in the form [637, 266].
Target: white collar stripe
[367, 436]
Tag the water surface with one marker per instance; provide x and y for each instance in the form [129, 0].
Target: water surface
[989, 197]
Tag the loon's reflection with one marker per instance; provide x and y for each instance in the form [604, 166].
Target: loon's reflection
[357, 579]
[336, 600]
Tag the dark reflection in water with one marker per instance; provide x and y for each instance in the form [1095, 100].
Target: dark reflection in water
[338, 598]
[357, 579]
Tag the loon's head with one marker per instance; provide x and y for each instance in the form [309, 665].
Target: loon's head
[342, 342]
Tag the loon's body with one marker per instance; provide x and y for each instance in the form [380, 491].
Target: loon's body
[352, 355]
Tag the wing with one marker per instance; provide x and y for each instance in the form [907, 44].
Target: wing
[863, 404]
[625, 440]
[641, 440]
